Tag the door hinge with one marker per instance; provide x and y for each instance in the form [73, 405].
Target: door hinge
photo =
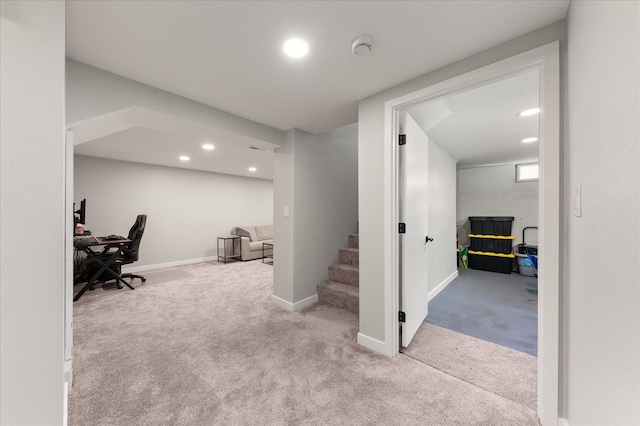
[402, 228]
[402, 139]
[401, 316]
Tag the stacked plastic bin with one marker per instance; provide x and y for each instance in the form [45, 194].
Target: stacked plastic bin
[491, 243]
[523, 253]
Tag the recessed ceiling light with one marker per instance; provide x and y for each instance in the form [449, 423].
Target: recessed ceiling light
[528, 112]
[208, 146]
[529, 140]
[184, 158]
[252, 169]
[296, 48]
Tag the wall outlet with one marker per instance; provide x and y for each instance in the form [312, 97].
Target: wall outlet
[577, 201]
[286, 211]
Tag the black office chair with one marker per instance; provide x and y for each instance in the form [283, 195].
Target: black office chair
[135, 235]
[128, 254]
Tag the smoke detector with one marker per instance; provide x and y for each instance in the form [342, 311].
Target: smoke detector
[362, 45]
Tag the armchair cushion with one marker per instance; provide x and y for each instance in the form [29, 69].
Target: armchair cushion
[251, 239]
[264, 233]
[255, 245]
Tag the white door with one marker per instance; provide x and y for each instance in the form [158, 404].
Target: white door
[414, 287]
[68, 239]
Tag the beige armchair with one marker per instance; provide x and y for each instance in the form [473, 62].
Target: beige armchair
[251, 239]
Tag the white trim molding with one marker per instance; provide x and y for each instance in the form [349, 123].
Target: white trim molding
[433, 293]
[563, 422]
[297, 306]
[547, 60]
[134, 269]
[373, 344]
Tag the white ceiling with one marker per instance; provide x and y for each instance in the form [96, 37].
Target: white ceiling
[227, 54]
[141, 135]
[151, 146]
[481, 126]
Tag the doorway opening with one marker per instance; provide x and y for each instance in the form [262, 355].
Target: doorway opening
[475, 153]
[545, 61]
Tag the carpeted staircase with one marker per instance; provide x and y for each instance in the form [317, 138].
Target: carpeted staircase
[342, 288]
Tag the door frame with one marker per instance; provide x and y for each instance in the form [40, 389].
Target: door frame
[547, 59]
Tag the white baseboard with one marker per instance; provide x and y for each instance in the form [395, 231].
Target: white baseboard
[133, 269]
[68, 372]
[66, 403]
[298, 306]
[563, 422]
[433, 293]
[287, 306]
[294, 307]
[384, 349]
[373, 344]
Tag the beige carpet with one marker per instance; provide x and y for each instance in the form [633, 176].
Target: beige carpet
[492, 367]
[204, 345]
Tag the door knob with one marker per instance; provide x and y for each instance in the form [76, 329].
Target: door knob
[427, 239]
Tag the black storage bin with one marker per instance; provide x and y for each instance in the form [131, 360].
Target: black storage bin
[477, 244]
[491, 225]
[492, 245]
[503, 265]
[527, 249]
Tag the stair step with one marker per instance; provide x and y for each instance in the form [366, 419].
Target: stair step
[349, 256]
[354, 241]
[345, 274]
[341, 295]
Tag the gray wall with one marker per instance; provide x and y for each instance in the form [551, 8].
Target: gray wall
[186, 209]
[283, 249]
[371, 146]
[493, 191]
[601, 289]
[316, 177]
[32, 151]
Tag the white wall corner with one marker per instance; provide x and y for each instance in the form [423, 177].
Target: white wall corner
[433, 293]
[374, 345]
[297, 306]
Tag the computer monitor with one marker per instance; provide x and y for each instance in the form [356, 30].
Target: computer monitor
[80, 215]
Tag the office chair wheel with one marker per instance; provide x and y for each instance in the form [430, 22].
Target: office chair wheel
[144, 279]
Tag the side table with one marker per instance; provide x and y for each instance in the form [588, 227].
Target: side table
[235, 254]
[267, 253]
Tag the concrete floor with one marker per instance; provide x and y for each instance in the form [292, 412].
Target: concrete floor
[498, 308]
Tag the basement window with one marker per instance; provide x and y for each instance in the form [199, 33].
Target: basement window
[527, 172]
